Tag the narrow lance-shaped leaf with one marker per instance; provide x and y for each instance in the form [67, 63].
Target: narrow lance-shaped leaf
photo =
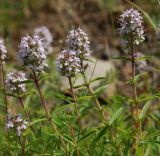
[144, 110]
[115, 116]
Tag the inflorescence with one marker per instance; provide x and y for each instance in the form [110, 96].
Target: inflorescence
[15, 82]
[3, 51]
[131, 29]
[17, 123]
[71, 59]
[68, 63]
[32, 53]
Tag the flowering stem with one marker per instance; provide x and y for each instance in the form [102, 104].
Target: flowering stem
[4, 88]
[73, 136]
[75, 102]
[137, 121]
[5, 99]
[92, 93]
[22, 146]
[22, 105]
[48, 116]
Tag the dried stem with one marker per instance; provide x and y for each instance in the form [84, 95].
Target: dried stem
[75, 102]
[53, 126]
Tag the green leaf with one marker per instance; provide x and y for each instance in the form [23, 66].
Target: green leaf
[115, 116]
[121, 58]
[84, 98]
[149, 141]
[137, 78]
[79, 86]
[100, 135]
[27, 101]
[37, 121]
[63, 108]
[144, 110]
[69, 139]
[100, 89]
[97, 79]
[86, 137]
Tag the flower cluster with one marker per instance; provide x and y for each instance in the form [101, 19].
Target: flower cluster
[47, 38]
[3, 51]
[15, 81]
[68, 63]
[71, 60]
[78, 41]
[32, 53]
[131, 29]
[17, 123]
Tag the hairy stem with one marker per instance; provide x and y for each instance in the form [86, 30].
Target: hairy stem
[48, 116]
[75, 102]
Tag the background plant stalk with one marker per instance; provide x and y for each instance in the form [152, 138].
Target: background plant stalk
[6, 101]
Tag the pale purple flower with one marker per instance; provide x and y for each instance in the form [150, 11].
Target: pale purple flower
[17, 123]
[68, 63]
[32, 53]
[9, 125]
[78, 41]
[3, 51]
[47, 38]
[20, 128]
[131, 29]
[15, 82]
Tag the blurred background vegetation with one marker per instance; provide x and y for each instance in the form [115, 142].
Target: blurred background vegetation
[99, 18]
